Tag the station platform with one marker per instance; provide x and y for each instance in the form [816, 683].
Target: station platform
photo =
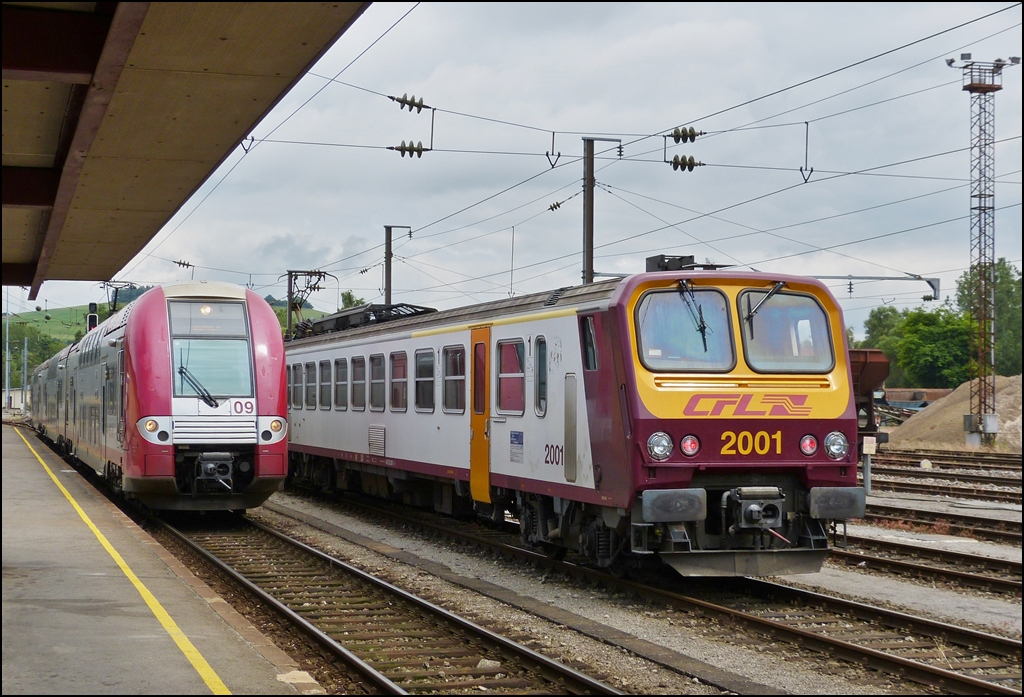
[96, 606]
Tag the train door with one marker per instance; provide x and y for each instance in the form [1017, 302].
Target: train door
[120, 400]
[104, 376]
[480, 414]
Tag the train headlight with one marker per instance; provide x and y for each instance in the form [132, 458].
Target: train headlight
[836, 445]
[659, 445]
[689, 445]
[276, 425]
[808, 445]
[151, 425]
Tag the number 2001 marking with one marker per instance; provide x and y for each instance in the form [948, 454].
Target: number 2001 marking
[745, 442]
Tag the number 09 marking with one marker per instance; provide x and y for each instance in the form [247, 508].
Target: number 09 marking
[745, 442]
[243, 406]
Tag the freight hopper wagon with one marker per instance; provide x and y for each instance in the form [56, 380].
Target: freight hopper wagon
[703, 417]
[178, 400]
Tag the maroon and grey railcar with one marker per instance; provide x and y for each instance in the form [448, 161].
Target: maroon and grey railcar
[705, 417]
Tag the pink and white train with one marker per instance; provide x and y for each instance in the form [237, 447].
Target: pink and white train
[178, 400]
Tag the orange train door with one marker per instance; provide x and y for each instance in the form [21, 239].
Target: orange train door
[480, 414]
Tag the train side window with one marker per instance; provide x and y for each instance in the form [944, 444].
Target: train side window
[455, 379]
[377, 387]
[325, 384]
[589, 338]
[340, 384]
[399, 381]
[359, 383]
[511, 377]
[425, 380]
[541, 376]
[297, 386]
[311, 385]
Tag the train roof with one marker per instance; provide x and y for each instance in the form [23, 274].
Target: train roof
[573, 296]
[380, 319]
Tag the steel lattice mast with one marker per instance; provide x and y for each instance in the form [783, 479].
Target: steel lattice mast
[983, 80]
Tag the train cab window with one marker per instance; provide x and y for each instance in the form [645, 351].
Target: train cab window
[789, 333]
[589, 339]
[687, 330]
[340, 384]
[455, 379]
[377, 388]
[399, 381]
[359, 383]
[210, 349]
[425, 380]
[325, 384]
[297, 386]
[511, 377]
[207, 318]
[540, 372]
[311, 385]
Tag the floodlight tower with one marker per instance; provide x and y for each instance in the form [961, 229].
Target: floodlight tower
[983, 80]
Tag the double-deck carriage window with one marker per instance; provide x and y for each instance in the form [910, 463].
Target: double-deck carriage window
[288, 389]
[511, 377]
[540, 354]
[789, 333]
[359, 383]
[297, 386]
[340, 384]
[425, 380]
[685, 330]
[399, 381]
[311, 385]
[377, 386]
[455, 379]
[325, 384]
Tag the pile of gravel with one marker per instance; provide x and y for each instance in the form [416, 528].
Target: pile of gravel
[940, 425]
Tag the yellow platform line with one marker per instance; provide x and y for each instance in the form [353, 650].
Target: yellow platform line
[207, 673]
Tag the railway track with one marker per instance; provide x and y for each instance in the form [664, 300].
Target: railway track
[953, 659]
[953, 458]
[398, 642]
[972, 571]
[1003, 531]
[976, 493]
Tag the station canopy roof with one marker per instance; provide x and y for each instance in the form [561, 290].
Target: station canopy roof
[114, 113]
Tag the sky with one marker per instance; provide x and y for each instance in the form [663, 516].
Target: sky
[860, 93]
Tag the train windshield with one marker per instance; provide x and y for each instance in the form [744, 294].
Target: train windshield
[685, 331]
[210, 340]
[789, 333]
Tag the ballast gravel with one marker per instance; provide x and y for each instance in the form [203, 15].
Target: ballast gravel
[777, 666]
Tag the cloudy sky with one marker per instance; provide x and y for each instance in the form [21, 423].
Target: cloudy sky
[860, 93]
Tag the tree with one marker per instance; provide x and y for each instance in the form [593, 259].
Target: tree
[349, 299]
[881, 322]
[934, 347]
[40, 347]
[1008, 285]
[883, 331]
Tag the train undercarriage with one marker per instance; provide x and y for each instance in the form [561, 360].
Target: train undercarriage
[715, 528]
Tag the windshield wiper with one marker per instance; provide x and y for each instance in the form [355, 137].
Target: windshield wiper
[685, 287]
[749, 319]
[204, 394]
